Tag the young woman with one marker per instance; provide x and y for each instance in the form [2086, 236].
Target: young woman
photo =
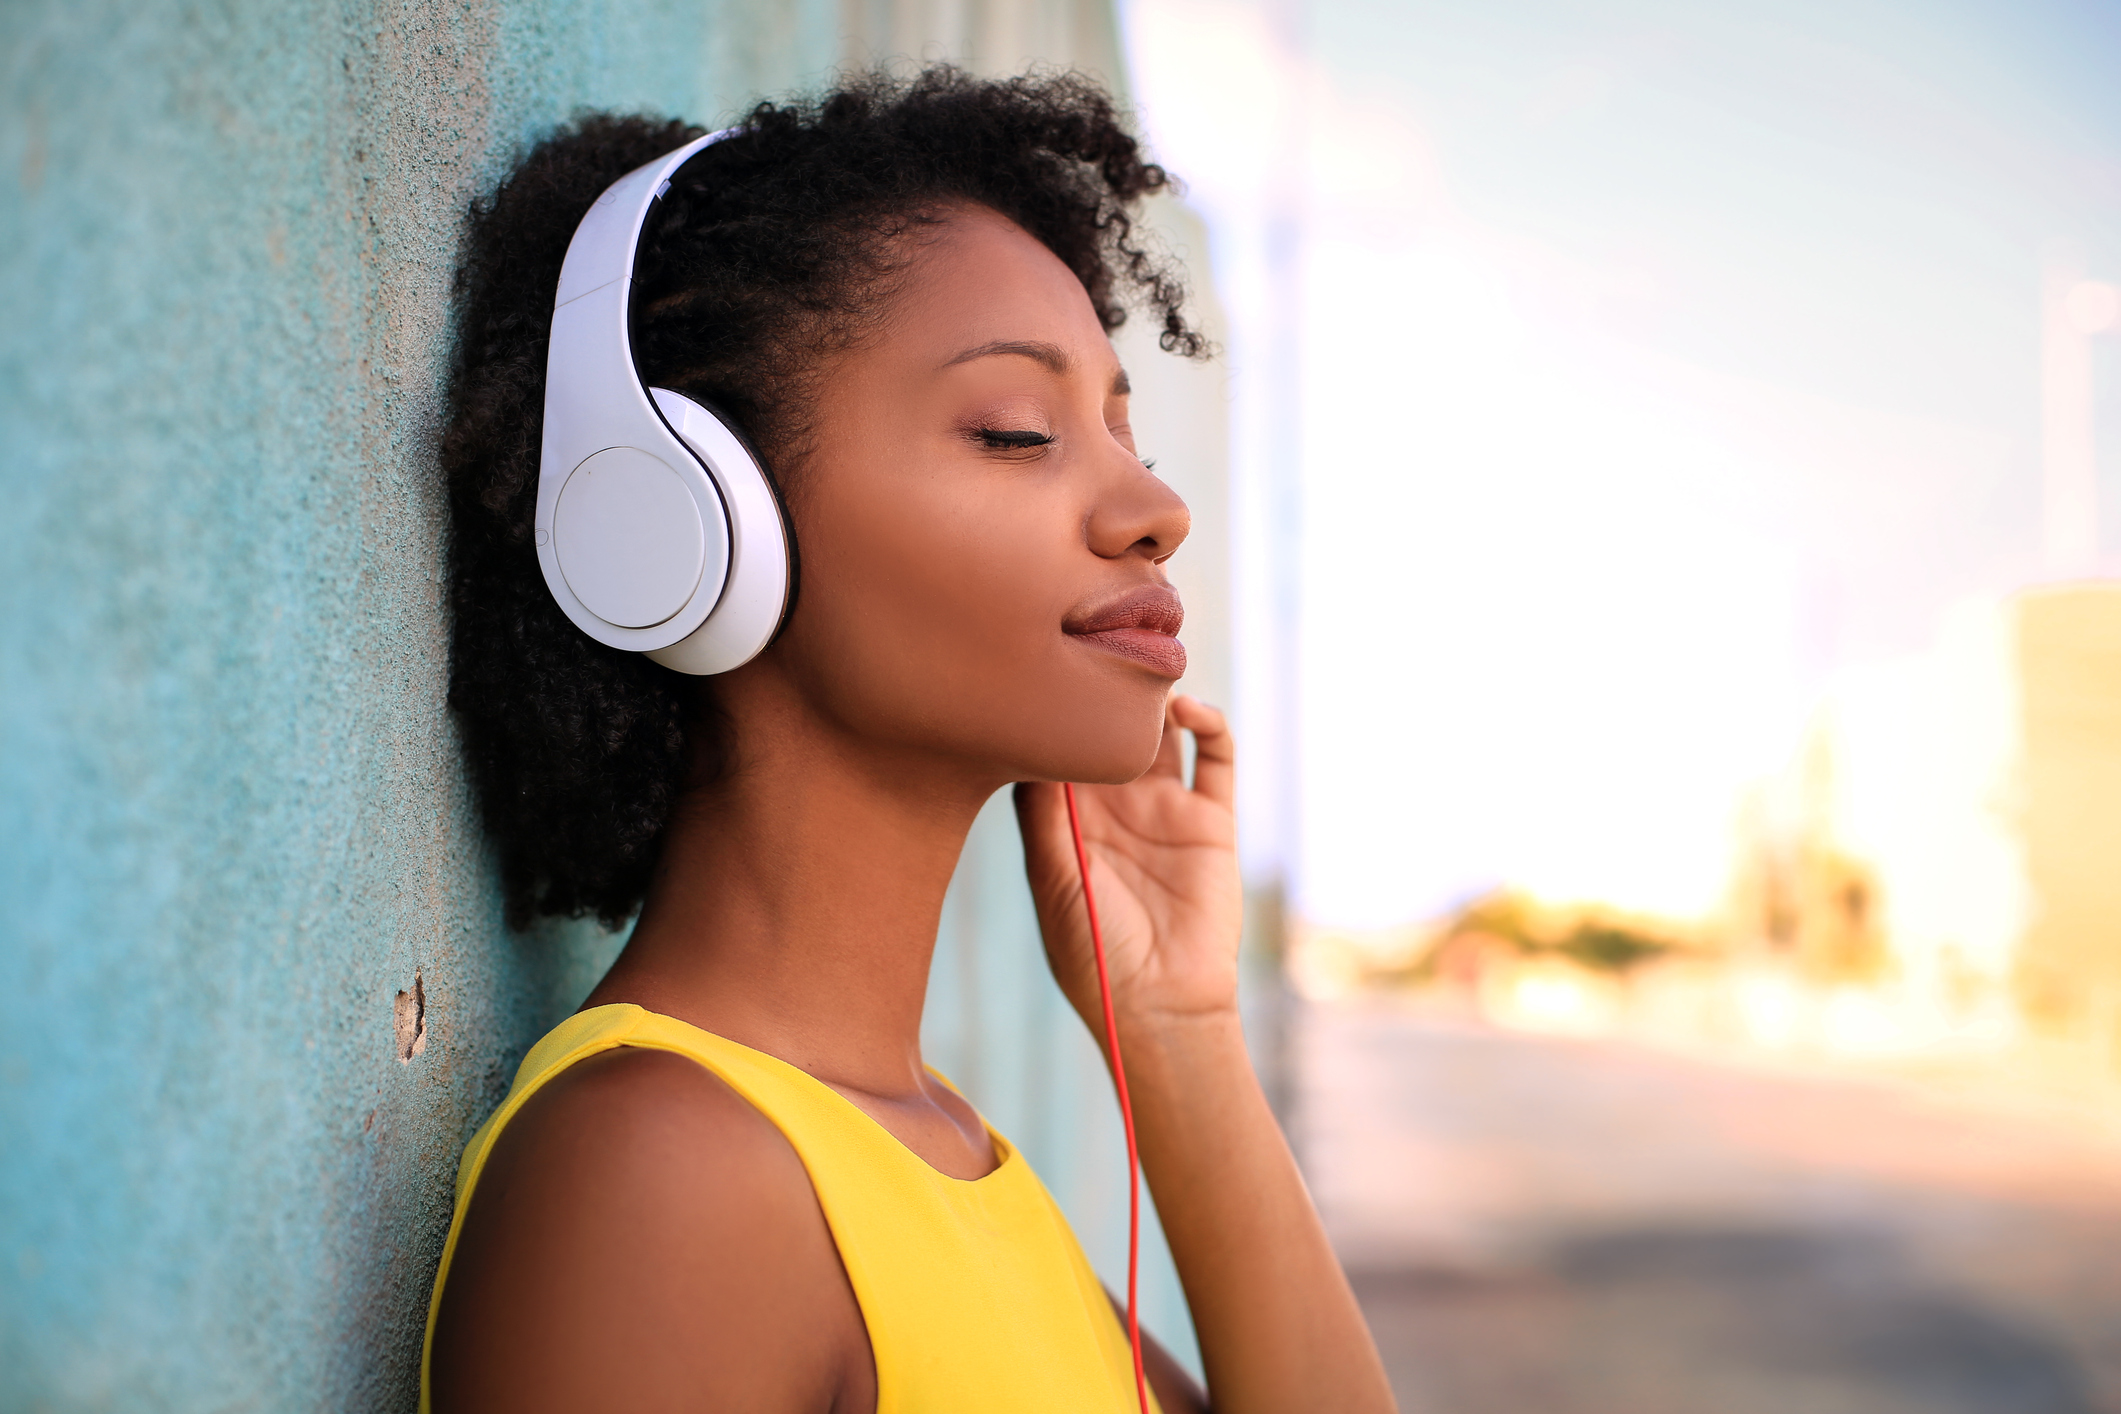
[728, 1183]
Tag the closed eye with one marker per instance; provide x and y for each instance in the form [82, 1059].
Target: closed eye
[1003, 437]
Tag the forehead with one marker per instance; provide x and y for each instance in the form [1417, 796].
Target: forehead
[978, 277]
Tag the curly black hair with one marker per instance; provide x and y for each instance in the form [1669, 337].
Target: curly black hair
[773, 248]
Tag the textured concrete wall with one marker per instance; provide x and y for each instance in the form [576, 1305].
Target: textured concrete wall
[234, 822]
[233, 826]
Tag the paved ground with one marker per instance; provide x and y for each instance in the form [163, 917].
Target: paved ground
[1553, 1227]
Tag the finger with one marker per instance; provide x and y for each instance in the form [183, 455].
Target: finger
[1170, 752]
[1214, 748]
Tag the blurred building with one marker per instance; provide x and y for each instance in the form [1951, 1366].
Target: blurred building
[1950, 833]
[2068, 662]
[1934, 881]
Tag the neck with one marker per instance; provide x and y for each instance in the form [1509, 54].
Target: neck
[795, 903]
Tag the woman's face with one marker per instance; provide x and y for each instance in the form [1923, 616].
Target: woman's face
[982, 550]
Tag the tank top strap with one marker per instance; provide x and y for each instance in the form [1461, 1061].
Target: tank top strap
[826, 1128]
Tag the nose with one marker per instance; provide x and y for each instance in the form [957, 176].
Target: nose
[1136, 514]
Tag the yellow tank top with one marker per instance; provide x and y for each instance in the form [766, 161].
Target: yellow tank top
[975, 1292]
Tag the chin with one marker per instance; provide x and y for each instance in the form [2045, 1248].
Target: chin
[1109, 747]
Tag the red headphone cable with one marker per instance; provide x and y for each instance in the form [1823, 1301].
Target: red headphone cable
[1126, 1107]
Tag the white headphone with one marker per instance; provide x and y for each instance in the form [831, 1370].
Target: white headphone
[657, 528]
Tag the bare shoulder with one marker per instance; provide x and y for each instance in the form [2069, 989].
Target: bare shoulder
[642, 1238]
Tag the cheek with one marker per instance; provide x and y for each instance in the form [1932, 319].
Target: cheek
[933, 613]
[942, 593]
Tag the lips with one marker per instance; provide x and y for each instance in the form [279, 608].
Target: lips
[1142, 625]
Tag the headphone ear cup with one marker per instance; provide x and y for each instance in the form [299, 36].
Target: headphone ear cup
[759, 592]
[630, 538]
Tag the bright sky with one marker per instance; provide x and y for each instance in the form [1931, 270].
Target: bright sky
[1660, 363]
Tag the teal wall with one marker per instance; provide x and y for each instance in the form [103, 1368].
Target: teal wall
[233, 826]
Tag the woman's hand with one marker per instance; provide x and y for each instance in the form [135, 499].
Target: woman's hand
[1279, 1329]
[1163, 866]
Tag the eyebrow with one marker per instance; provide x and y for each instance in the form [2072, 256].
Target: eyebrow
[1051, 356]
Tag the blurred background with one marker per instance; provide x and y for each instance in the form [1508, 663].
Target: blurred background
[1678, 496]
[1658, 525]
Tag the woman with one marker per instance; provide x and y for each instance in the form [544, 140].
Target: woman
[728, 1182]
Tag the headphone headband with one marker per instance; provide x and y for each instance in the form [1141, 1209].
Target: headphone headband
[608, 240]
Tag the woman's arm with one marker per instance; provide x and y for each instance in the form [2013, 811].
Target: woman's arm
[1279, 1329]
